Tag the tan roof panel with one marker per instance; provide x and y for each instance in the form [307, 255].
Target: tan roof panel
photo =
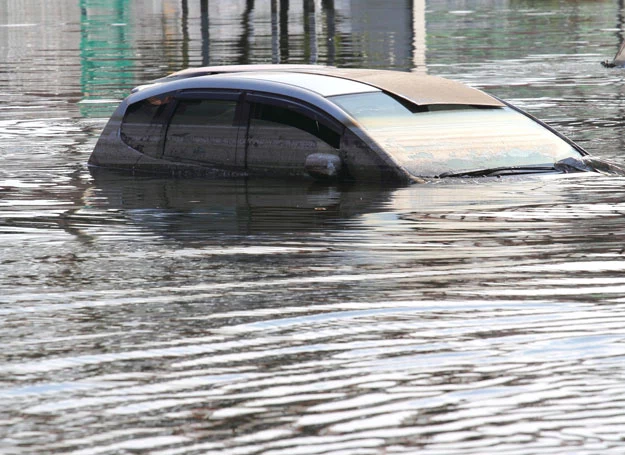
[420, 89]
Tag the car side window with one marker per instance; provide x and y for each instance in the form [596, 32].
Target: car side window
[288, 117]
[143, 125]
[283, 134]
[203, 112]
[202, 130]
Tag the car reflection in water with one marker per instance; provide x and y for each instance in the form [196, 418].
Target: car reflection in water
[188, 208]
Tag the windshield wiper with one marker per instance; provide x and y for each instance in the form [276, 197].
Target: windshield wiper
[589, 163]
[502, 170]
[566, 166]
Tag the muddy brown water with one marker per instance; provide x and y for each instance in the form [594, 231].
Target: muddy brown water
[158, 316]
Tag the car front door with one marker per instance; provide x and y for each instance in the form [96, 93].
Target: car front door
[283, 133]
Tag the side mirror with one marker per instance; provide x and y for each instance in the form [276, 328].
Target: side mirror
[323, 165]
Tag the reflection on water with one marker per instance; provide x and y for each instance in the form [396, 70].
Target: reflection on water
[105, 53]
[237, 206]
[443, 317]
[161, 316]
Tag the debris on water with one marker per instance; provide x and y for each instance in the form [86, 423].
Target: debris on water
[619, 58]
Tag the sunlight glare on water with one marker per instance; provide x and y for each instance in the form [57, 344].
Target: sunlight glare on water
[161, 316]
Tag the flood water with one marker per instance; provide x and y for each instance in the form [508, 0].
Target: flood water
[158, 316]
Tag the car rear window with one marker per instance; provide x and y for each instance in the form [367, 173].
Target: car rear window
[143, 124]
[431, 140]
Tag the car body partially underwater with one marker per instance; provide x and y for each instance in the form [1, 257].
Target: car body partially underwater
[329, 123]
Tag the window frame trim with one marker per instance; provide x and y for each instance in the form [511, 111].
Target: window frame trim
[242, 117]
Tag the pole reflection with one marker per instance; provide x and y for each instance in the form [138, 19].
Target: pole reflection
[117, 47]
[205, 32]
[247, 25]
[310, 32]
[284, 31]
[382, 34]
[327, 8]
[275, 48]
[184, 20]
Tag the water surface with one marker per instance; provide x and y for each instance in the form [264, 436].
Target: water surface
[160, 316]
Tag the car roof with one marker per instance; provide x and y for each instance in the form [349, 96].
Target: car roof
[418, 88]
[319, 83]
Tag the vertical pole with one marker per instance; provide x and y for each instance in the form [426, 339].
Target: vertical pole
[621, 38]
[185, 33]
[205, 32]
[619, 59]
[248, 31]
[418, 37]
[310, 31]
[328, 8]
[284, 31]
[619, 25]
[275, 30]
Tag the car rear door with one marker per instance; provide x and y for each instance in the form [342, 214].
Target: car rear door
[203, 130]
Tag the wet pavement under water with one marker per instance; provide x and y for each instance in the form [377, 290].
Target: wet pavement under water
[159, 316]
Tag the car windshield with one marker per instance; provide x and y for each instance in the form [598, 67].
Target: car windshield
[446, 139]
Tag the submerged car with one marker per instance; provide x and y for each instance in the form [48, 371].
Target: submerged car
[327, 123]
